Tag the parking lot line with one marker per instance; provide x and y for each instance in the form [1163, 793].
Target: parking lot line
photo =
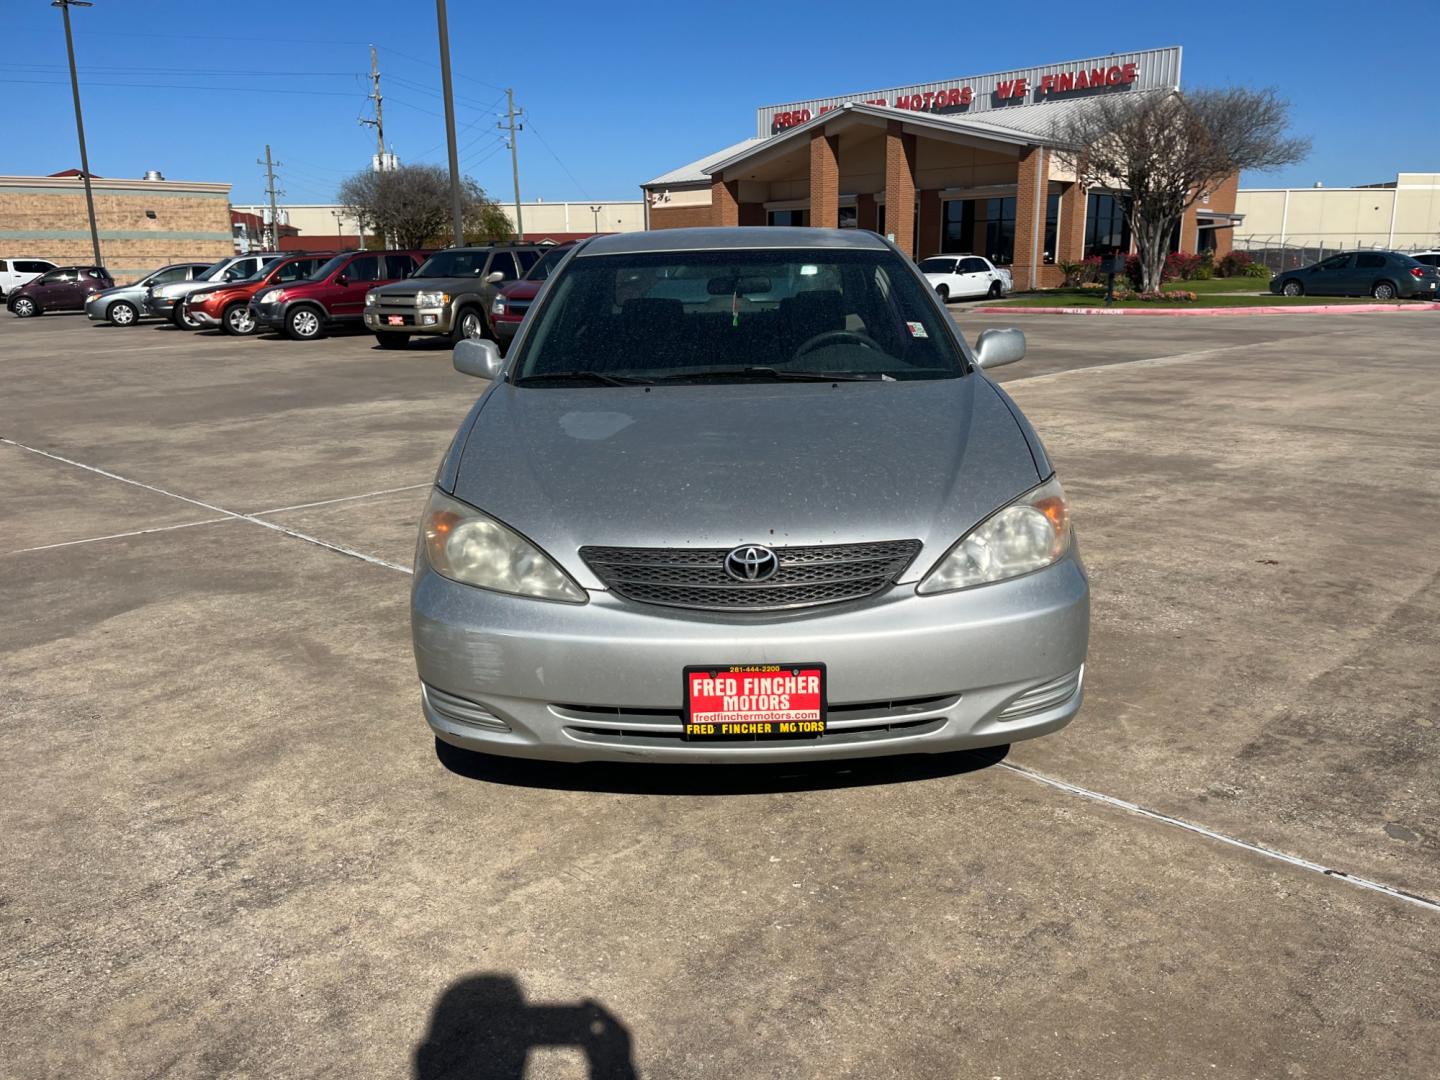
[1201, 830]
[293, 533]
[118, 536]
[343, 498]
[1041, 778]
[1156, 361]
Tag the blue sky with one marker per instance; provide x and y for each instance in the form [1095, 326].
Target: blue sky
[616, 94]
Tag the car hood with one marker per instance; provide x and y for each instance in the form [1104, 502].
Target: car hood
[128, 291]
[180, 288]
[434, 284]
[717, 466]
[521, 290]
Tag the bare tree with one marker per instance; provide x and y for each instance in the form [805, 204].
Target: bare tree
[411, 205]
[1158, 154]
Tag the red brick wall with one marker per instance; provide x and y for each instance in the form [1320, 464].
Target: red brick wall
[900, 186]
[824, 180]
[1030, 189]
[724, 202]
[681, 217]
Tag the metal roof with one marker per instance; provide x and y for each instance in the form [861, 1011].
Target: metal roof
[696, 171]
[735, 238]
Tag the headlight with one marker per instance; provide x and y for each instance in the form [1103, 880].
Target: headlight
[1029, 534]
[371, 299]
[271, 296]
[497, 307]
[431, 299]
[467, 546]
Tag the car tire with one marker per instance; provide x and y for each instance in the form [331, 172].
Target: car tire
[1384, 290]
[24, 308]
[469, 323]
[393, 341]
[180, 319]
[994, 293]
[237, 320]
[1292, 288]
[944, 292]
[122, 313]
[304, 323]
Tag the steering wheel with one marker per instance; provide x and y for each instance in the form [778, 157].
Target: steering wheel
[829, 337]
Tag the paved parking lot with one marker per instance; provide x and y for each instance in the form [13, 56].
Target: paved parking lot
[229, 847]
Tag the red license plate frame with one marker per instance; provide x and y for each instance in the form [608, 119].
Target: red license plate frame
[394, 320]
[767, 703]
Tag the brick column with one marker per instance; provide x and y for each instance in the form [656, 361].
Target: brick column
[928, 242]
[752, 213]
[865, 215]
[824, 180]
[724, 202]
[1190, 230]
[900, 186]
[1070, 244]
[1031, 181]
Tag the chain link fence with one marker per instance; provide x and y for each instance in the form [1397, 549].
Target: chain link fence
[1280, 255]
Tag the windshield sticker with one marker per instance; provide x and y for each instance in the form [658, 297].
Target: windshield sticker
[917, 329]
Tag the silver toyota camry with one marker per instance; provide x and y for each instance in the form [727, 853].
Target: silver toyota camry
[745, 495]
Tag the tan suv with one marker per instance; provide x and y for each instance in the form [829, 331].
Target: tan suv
[450, 294]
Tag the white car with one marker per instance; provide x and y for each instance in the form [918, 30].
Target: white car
[957, 277]
[1429, 258]
[16, 272]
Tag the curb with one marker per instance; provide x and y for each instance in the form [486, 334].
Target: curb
[1181, 313]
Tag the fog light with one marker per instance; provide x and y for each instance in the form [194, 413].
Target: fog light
[461, 711]
[428, 320]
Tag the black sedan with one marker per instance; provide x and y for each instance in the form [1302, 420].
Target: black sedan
[1385, 275]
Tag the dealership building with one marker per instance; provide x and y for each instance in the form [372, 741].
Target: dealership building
[960, 165]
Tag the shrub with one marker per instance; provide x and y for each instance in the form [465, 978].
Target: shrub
[1181, 265]
[1235, 264]
[1074, 273]
[1258, 270]
[1170, 294]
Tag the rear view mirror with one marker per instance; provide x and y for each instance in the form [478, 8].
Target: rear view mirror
[341, 279]
[493, 277]
[479, 357]
[995, 348]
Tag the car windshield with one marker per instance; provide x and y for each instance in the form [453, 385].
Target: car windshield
[212, 271]
[737, 316]
[551, 259]
[452, 264]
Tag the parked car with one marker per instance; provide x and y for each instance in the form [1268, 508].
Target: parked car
[790, 517]
[65, 288]
[510, 304]
[123, 305]
[1385, 275]
[1429, 258]
[228, 305]
[449, 295]
[162, 300]
[958, 277]
[17, 272]
[334, 295]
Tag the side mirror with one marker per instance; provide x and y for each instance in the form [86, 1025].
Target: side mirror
[493, 277]
[341, 279]
[995, 348]
[479, 357]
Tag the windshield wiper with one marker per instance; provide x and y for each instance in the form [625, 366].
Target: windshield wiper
[780, 375]
[586, 376]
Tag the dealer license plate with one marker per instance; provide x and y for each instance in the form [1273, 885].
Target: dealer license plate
[755, 701]
[394, 320]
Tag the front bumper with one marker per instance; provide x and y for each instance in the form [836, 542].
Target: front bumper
[271, 315]
[159, 306]
[95, 309]
[204, 318]
[413, 320]
[603, 681]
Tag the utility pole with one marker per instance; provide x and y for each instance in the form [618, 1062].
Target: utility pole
[64, 6]
[379, 122]
[596, 211]
[270, 166]
[510, 114]
[457, 209]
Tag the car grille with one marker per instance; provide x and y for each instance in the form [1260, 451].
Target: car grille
[395, 303]
[696, 577]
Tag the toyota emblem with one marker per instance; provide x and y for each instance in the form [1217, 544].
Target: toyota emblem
[751, 563]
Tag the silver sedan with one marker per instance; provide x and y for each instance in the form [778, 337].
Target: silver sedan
[745, 495]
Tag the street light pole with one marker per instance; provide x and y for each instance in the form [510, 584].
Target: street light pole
[457, 212]
[64, 6]
[596, 211]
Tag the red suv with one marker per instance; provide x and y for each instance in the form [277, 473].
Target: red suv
[333, 295]
[227, 305]
[65, 289]
[509, 307]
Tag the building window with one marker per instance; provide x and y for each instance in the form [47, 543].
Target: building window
[788, 217]
[849, 217]
[1052, 227]
[980, 226]
[1107, 232]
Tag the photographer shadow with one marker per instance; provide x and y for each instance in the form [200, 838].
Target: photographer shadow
[482, 1028]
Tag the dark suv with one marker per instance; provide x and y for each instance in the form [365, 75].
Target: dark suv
[64, 289]
[333, 295]
[451, 294]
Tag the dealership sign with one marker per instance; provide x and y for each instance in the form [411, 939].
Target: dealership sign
[1145, 70]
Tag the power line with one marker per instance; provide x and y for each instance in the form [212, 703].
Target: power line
[431, 64]
[185, 86]
[578, 186]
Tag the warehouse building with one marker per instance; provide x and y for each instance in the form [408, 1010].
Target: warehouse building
[961, 165]
[142, 223]
[1399, 215]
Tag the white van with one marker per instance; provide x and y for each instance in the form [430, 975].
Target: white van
[16, 272]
